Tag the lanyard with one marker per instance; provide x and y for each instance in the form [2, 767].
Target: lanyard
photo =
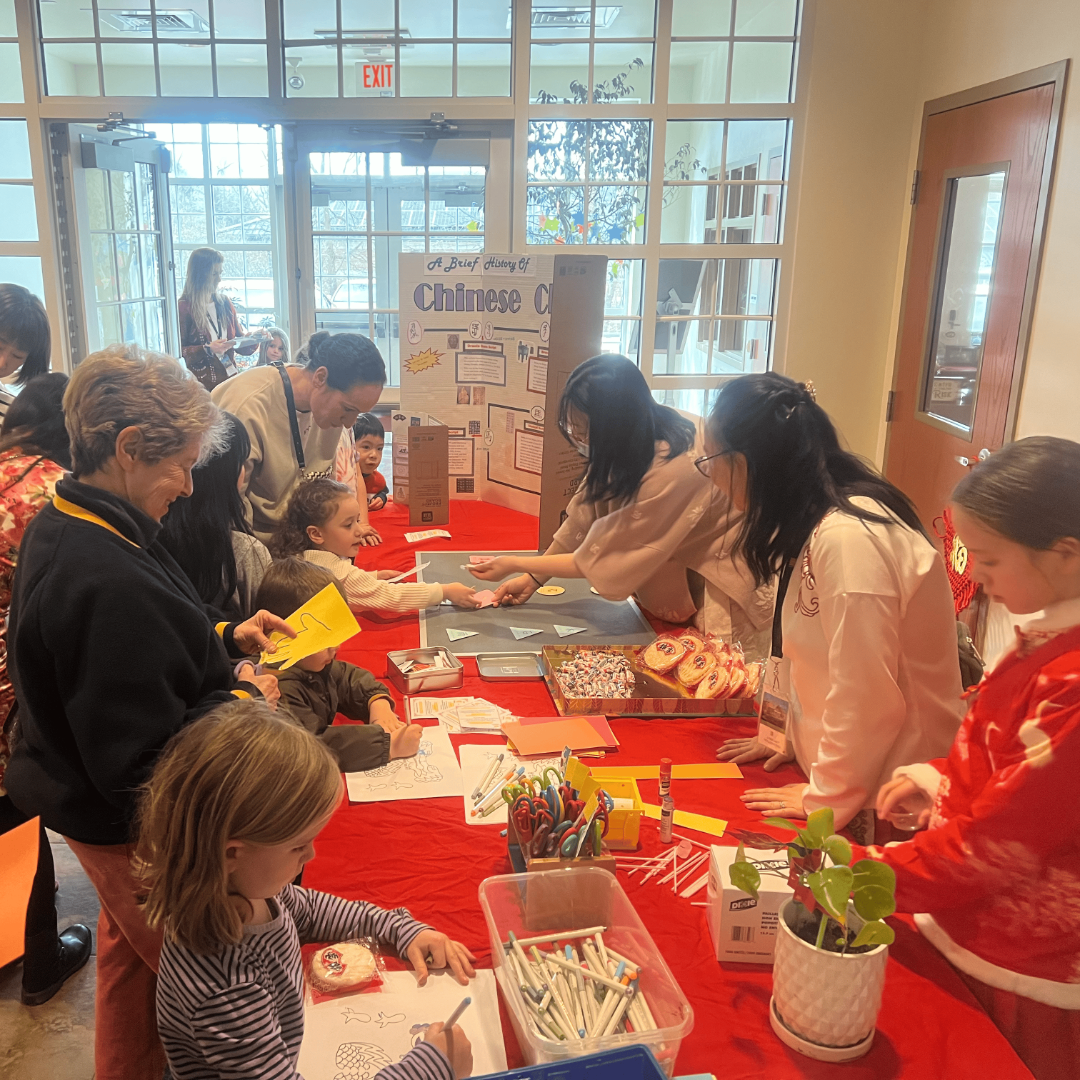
[294, 424]
[778, 610]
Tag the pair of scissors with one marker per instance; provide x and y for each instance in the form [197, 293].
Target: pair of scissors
[532, 820]
[554, 802]
[574, 840]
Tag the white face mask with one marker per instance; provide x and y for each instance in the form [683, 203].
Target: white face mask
[581, 447]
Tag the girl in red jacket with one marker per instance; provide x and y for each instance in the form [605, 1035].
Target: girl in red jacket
[996, 873]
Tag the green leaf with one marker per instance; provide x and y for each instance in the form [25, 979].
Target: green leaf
[872, 872]
[782, 823]
[831, 889]
[873, 902]
[744, 875]
[820, 825]
[874, 933]
[838, 849]
[809, 842]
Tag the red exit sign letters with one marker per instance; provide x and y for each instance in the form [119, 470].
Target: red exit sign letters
[378, 75]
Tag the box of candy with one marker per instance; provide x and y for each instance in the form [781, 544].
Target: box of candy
[613, 679]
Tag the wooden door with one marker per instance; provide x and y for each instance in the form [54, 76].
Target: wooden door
[980, 197]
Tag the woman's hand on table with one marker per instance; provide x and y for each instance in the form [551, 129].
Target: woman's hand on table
[515, 591]
[741, 751]
[369, 536]
[253, 635]
[267, 684]
[784, 801]
[494, 569]
[441, 952]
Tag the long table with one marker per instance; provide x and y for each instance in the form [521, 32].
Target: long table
[422, 855]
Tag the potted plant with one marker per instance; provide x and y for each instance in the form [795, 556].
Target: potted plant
[831, 943]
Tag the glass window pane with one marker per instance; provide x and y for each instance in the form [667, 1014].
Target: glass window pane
[681, 347]
[372, 15]
[109, 324]
[385, 284]
[187, 160]
[761, 71]
[555, 215]
[457, 243]
[398, 200]
[304, 17]
[340, 281]
[426, 71]
[689, 214]
[14, 150]
[699, 18]
[559, 73]
[746, 287]
[425, 19]
[698, 72]
[311, 71]
[694, 149]
[483, 19]
[151, 267]
[616, 214]
[685, 287]
[623, 295]
[128, 69]
[963, 290]
[241, 70]
[240, 19]
[144, 190]
[104, 272]
[97, 199]
[457, 203]
[191, 228]
[127, 264]
[185, 71]
[188, 198]
[225, 165]
[7, 19]
[337, 164]
[622, 336]
[629, 18]
[66, 18]
[619, 149]
[765, 18]
[751, 214]
[685, 399]
[155, 325]
[483, 71]
[70, 70]
[133, 328]
[740, 346]
[557, 149]
[24, 270]
[339, 206]
[622, 73]
[18, 212]
[122, 185]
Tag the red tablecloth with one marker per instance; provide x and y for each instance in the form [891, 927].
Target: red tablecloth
[422, 855]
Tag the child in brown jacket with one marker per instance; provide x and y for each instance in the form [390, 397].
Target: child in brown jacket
[317, 688]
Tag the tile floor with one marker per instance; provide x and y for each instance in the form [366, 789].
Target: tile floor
[54, 1041]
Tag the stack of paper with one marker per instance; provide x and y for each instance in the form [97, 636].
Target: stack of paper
[531, 736]
[461, 715]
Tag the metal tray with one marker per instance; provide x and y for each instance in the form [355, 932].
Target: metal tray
[497, 666]
[419, 682]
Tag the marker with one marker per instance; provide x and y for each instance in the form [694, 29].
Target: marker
[496, 790]
[482, 786]
[456, 1014]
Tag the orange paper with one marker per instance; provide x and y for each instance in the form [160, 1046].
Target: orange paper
[716, 770]
[532, 740]
[18, 864]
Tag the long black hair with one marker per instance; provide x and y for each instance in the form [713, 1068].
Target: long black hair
[197, 531]
[35, 420]
[625, 423]
[24, 324]
[796, 469]
[1028, 491]
[350, 359]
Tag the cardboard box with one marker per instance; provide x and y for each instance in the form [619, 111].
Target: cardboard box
[742, 928]
[429, 475]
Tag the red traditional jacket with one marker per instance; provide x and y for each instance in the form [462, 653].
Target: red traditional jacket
[996, 875]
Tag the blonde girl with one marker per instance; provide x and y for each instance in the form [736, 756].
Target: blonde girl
[275, 348]
[323, 525]
[226, 822]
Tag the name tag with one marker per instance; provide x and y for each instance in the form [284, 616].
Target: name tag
[774, 705]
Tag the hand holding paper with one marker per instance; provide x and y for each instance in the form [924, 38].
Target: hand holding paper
[323, 622]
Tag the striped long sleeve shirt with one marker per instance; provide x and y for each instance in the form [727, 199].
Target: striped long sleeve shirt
[364, 591]
[239, 1013]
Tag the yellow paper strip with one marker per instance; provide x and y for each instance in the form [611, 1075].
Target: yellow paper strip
[719, 770]
[322, 623]
[698, 822]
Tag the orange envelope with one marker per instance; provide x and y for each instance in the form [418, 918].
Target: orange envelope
[18, 864]
[535, 740]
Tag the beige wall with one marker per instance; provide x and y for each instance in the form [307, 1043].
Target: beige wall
[874, 64]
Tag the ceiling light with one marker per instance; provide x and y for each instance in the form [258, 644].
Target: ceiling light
[571, 17]
[141, 21]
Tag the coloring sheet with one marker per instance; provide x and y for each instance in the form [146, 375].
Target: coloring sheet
[352, 1038]
[476, 761]
[432, 774]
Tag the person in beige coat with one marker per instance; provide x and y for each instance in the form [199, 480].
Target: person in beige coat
[644, 521]
[295, 415]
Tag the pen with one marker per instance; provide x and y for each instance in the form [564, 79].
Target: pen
[455, 1015]
[482, 786]
[496, 790]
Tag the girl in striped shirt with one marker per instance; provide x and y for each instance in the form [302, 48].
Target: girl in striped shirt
[226, 822]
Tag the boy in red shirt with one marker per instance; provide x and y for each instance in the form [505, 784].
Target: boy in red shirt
[369, 435]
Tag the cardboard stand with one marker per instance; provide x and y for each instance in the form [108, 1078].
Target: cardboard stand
[429, 503]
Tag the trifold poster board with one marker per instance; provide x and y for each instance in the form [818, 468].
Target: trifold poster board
[488, 342]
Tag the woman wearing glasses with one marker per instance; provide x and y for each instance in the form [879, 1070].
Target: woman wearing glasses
[868, 628]
[644, 520]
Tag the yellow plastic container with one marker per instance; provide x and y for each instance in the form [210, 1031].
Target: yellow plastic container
[624, 823]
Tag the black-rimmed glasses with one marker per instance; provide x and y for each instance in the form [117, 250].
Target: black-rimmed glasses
[702, 463]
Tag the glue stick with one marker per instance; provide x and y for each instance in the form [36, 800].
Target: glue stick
[667, 804]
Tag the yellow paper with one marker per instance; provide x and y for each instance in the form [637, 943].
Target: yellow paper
[323, 622]
[698, 822]
[716, 770]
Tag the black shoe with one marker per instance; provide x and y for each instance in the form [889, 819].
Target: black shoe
[75, 947]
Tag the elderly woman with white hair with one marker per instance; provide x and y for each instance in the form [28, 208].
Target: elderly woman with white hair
[112, 651]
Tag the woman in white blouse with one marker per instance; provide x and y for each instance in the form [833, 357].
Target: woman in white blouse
[868, 623]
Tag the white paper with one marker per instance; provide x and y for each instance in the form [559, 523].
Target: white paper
[566, 631]
[352, 1038]
[427, 534]
[433, 773]
[407, 573]
[457, 635]
[475, 762]
[523, 631]
[425, 708]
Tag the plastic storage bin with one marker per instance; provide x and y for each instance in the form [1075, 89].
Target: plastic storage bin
[630, 1063]
[553, 901]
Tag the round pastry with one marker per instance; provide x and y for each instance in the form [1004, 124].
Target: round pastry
[692, 638]
[694, 667]
[713, 684]
[663, 654]
[551, 590]
[342, 966]
[753, 679]
[738, 680]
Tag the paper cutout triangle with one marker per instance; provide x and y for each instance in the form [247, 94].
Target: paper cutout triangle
[523, 631]
[457, 635]
[566, 631]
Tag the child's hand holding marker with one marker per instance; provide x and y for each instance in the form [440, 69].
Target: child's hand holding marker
[453, 1042]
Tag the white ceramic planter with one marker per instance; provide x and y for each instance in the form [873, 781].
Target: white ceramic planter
[825, 1004]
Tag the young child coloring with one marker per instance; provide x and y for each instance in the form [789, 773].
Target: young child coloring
[369, 436]
[322, 525]
[996, 870]
[314, 690]
[226, 822]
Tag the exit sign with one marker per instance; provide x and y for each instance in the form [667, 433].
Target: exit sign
[378, 75]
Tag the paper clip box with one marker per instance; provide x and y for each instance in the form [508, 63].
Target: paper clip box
[744, 929]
